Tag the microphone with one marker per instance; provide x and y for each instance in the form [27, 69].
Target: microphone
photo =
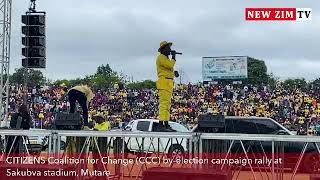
[175, 52]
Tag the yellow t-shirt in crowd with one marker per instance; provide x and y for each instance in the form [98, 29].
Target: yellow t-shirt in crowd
[105, 126]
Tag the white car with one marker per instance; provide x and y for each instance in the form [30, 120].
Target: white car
[149, 144]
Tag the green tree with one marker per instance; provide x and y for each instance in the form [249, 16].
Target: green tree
[315, 84]
[61, 82]
[104, 70]
[273, 81]
[74, 82]
[105, 77]
[33, 77]
[147, 84]
[81, 81]
[294, 83]
[257, 72]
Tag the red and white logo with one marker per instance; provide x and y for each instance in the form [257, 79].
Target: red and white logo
[278, 14]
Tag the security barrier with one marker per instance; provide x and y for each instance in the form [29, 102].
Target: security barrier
[126, 155]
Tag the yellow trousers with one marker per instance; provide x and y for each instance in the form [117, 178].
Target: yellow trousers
[164, 104]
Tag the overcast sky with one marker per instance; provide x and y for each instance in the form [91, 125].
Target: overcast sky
[82, 34]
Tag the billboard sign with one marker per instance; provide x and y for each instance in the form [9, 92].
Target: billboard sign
[226, 67]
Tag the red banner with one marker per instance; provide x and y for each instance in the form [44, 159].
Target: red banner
[271, 14]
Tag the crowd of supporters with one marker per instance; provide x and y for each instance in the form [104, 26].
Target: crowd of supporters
[297, 109]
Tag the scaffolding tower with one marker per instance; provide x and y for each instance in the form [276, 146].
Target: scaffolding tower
[5, 37]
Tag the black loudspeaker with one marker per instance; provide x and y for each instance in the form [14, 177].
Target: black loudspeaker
[210, 120]
[66, 121]
[34, 52]
[34, 40]
[38, 62]
[33, 30]
[35, 19]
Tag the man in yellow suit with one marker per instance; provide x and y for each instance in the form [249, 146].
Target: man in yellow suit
[165, 83]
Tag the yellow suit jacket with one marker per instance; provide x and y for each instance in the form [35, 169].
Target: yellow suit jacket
[165, 70]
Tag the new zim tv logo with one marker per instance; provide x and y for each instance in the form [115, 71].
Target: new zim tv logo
[278, 14]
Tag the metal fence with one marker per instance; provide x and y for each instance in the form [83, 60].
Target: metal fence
[176, 150]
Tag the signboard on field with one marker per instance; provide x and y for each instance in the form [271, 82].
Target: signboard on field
[226, 67]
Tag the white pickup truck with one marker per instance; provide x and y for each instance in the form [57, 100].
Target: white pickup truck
[148, 144]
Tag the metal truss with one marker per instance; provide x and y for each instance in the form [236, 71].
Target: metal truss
[5, 37]
[124, 146]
